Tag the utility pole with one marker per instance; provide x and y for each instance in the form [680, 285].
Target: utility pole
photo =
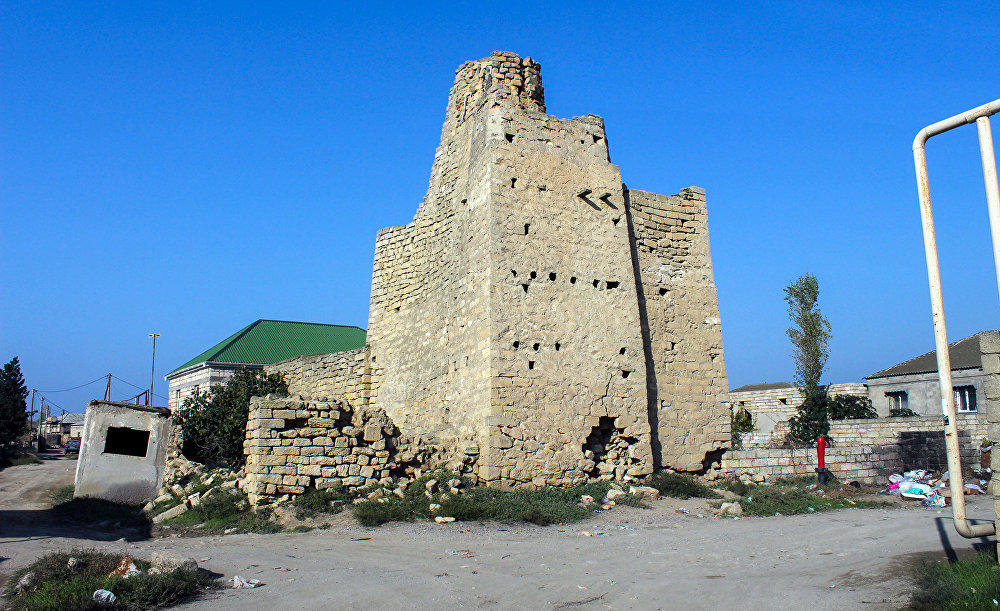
[31, 416]
[152, 370]
[107, 389]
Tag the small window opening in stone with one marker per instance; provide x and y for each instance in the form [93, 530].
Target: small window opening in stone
[783, 401]
[625, 373]
[516, 344]
[373, 358]
[509, 137]
[596, 282]
[464, 201]
[527, 226]
[612, 284]
[514, 272]
[670, 345]
[512, 181]
[126, 441]
[525, 287]
[397, 308]
[616, 220]
[535, 346]
[581, 141]
[294, 423]
[533, 275]
[572, 280]
[663, 292]
[596, 138]
[531, 364]
[552, 276]
[622, 351]
[558, 345]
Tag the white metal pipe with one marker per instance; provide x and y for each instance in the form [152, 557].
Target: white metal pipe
[956, 482]
[992, 192]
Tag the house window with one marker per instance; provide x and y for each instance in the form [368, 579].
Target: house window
[965, 398]
[898, 400]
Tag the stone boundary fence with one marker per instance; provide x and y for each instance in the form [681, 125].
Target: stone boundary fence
[867, 450]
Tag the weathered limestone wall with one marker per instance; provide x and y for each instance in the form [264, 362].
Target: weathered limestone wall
[989, 347]
[505, 321]
[867, 450]
[294, 444]
[341, 375]
[686, 377]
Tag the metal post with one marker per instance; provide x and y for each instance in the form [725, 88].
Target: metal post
[992, 192]
[152, 369]
[955, 480]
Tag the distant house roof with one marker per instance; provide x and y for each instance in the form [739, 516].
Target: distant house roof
[73, 418]
[767, 386]
[269, 341]
[965, 354]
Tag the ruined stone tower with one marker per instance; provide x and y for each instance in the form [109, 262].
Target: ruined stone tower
[538, 320]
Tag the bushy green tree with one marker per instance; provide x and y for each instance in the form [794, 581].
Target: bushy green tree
[13, 404]
[850, 407]
[741, 422]
[214, 423]
[810, 335]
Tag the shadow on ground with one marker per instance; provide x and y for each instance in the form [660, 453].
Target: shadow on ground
[77, 519]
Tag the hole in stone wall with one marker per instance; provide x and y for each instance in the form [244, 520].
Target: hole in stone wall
[612, 284]
[514, 272]
[572, 280]
[525, 287]
[581, 141]
[552, 276]
[663, 292]
[596, 282]
[625, 373]
[509, 137]
[512, 181]
[616, 220]
[126, 441]
[373, 358]
[622, 351]
[527, 226]
[294, 423]
[670, 345]
[608, 448]
[464, 201]
[531, 364]
[516, 344]
[557, 346]
[535, 346]
[596, 138]
[533, 275]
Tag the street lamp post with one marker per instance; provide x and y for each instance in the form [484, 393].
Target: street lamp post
[152, 370]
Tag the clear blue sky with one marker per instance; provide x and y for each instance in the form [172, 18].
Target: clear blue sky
[190, 168]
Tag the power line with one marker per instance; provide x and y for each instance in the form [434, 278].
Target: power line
[73, 388]
[136, 386]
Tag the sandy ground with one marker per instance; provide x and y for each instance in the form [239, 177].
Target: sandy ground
[627, 558]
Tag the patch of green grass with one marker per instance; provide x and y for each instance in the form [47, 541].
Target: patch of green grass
[630, 500]
[56, 586]
[313, 501]
[733, 484]
[680, 486]
[966, 584]
[63, 494]
[789, 500]
[222, 511]
[548, 505]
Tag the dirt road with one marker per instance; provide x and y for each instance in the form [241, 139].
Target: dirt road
[626, 558]
[30, 486]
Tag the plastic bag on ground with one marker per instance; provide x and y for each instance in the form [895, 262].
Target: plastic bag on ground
[104, 597]
[239, 583]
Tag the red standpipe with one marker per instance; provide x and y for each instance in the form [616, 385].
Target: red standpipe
[822, 473]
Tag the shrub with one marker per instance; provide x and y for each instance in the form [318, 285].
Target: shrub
[214, 423]
[680, 486]
[741, 421]
[313, 501]
[812, 421]
[904, 412]
[57, 586]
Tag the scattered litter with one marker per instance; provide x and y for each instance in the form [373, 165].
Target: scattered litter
[241, 584]
[682, 510]
[443, 519]
[103, 597]
[125, 569]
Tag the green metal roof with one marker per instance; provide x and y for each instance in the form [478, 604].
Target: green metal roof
[269, 341]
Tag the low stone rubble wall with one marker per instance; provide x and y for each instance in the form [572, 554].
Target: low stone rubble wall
[295, 444]
[867, 450]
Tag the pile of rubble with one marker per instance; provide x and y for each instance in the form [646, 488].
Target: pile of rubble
[187, 484]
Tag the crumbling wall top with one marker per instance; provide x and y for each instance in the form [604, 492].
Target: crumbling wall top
[501, 76]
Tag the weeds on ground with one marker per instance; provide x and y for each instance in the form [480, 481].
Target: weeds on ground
[965, 584]
[57, 586]
[225, 510]
[63, 494]
[735, 485]
[794, 496]
[313, 501]
[680, 486]
[548, 505]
